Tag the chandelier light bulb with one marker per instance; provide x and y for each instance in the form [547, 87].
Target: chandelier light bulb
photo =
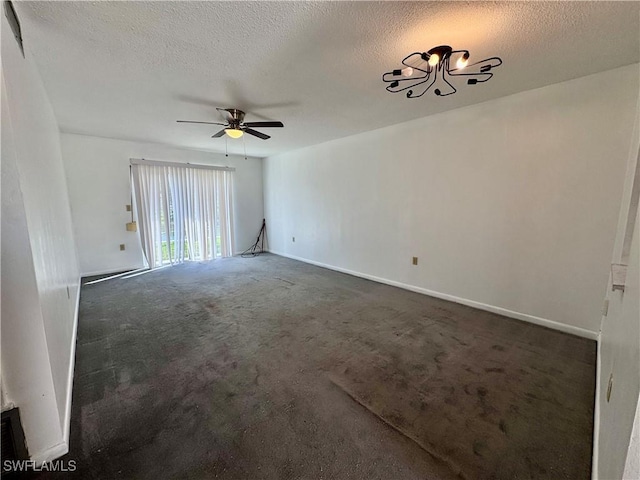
[234, 132]
[407, 72]
[462, 61]
[434, 59]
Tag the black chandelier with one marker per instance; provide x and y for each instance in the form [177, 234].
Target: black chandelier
[422, 68]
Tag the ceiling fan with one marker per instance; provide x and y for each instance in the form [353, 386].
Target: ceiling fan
[235, 125]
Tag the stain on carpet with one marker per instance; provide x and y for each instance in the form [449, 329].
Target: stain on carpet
[529, 418]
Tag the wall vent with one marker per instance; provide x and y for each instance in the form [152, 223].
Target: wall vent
[14, 23]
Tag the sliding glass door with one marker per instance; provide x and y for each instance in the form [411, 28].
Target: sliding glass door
[184, 212]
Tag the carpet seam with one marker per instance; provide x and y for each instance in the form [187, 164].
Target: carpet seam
[444, 460]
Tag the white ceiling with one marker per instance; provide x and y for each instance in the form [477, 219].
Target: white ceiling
[130, 69]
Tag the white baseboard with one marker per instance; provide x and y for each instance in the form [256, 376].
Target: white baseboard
[51, 453]
[581, 332]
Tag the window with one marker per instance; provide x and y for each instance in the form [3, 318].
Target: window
[184, 211]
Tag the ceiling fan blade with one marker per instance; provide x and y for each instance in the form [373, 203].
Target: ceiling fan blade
[264, 124]
[219, 134]
[193, 121]
[257, 134]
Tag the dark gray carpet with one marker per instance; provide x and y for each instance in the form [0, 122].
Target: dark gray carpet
[271, 368]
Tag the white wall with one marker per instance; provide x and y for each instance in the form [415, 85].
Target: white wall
[510, 205]
[97, 172]
[619, 346]
[39, 266]
[632, 465]
[26, 370]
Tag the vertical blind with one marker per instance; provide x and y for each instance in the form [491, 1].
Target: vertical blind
[184, 213]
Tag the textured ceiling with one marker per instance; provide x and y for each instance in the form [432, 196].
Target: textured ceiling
[130, 69]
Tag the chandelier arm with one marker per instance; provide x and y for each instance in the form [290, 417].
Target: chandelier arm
[410, 92]
[491, 65]
[426, 72]
[404, 62]
[464, 52]
[391, 89]
[396, 78]
[412, 81]
[485, 76]
[453, 89]
[444, 77]
[498, 59]
[488, 76]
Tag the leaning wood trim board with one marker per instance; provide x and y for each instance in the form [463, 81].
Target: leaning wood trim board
[596, 414]
[72, 362]
[51, 453]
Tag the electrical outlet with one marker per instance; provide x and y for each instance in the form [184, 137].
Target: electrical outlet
[121, 246]
[128, 207]
[609, 387]
[293, 239]
[415, 260]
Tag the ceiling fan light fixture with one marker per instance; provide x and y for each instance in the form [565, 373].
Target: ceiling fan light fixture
[234, 132]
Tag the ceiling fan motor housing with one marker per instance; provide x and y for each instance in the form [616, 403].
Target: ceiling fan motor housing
[236, 116]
